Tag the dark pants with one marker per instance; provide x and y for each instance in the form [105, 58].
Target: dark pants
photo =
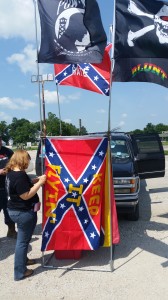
[3, 206]
[26, 222]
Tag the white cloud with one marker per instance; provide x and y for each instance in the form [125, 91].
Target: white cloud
[26, 60]
[51, 97]
[16, 103]
[17, 19]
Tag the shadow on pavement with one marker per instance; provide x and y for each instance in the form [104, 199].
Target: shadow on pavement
[134, 240]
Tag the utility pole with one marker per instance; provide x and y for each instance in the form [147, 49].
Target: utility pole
[80, 125]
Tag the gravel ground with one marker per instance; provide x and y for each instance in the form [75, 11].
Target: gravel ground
[140, 260]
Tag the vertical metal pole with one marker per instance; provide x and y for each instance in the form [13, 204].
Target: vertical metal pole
[43, 101]
[110, 206]
[80, 125]
[59, 112]
[109, 146]
[39, 91]
[40, 106]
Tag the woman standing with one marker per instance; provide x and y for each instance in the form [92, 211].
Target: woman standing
[22, 207]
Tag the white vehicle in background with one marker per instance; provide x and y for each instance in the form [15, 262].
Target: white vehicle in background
[30, 167]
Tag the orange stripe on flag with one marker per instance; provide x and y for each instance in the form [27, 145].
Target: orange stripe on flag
[109, 209]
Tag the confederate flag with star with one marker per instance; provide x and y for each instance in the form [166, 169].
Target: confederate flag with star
[93, 77]
[74, 192]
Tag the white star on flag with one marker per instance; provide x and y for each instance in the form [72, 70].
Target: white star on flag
[74, 194]
[94, 167]
[96, 78]
[101, 153]
[92, 235]
[65, 73]
[106, 90]
[86, 221]
[51, 154]
[62, 205]
[81, 208]
[46, 234]
[85, 180]
[86, 68]
[66, 180]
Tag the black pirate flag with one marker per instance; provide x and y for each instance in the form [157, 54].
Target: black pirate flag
[141, 41]
[141, 29]
[71, 32]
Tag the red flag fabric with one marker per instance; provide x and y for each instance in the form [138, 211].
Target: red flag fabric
[73, 194]
[93, 77]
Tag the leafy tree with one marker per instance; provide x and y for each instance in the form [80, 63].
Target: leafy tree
[161, 127]
[137, 131]
[150, 128]
[69, 129]
[52, 124]
[53, 127]
[83, 130]
[22, 131]
[4, 131]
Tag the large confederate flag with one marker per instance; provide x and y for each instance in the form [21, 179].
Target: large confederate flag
[74, 193]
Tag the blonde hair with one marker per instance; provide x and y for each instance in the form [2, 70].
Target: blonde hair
[19, 159]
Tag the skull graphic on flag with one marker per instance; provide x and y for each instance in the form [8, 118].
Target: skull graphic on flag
[141, 29]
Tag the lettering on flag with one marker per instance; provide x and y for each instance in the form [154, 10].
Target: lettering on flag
[93, 77]
[141, 42]
[71, 32]
[152, 70]
[73, 193]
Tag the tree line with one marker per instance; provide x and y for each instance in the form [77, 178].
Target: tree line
[150, 128]
[22, 131]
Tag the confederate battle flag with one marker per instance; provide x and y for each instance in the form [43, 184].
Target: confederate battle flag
[74, 193]
[93, 77]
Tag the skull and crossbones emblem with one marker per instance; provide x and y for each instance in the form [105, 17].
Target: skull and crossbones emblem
[160, 24]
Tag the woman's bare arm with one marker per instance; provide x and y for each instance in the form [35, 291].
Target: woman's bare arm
[34, 189]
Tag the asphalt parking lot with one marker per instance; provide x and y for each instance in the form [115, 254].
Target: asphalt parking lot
[140, 260]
